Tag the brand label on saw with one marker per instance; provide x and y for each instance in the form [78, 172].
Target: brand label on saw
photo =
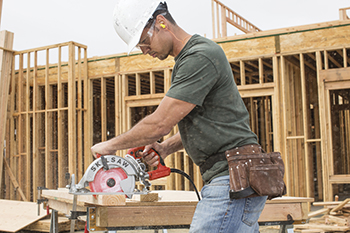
[112, 160]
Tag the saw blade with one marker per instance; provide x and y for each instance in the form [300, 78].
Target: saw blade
[108, 180]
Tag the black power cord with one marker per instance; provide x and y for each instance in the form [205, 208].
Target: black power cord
[174, 170]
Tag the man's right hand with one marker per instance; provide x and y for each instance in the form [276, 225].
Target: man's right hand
[152, 158]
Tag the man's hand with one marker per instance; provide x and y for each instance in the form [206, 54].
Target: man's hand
[102, 148]
[152, 158]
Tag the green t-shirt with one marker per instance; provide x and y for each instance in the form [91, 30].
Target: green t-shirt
[220, 121]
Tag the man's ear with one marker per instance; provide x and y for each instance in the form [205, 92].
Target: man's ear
[162, 22]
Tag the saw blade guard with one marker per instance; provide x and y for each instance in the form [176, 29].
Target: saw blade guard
[120, 175]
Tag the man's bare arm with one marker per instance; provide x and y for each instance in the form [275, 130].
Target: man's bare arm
[172, 144]
[169, 112]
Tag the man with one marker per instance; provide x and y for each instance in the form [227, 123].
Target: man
[203, 101]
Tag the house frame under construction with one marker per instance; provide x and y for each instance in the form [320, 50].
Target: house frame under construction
[294, 81]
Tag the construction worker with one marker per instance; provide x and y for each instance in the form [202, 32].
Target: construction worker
[203, 101]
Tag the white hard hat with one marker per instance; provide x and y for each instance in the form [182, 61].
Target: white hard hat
[130, 17]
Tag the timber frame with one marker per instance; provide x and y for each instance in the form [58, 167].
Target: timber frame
[295, 83]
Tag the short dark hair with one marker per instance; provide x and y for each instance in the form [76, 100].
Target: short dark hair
[162, 9]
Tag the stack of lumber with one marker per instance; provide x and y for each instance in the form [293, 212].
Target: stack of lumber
[333, 217]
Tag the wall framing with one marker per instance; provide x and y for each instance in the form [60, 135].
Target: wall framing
[280, 74]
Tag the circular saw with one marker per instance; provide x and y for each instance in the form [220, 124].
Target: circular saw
[111, 174]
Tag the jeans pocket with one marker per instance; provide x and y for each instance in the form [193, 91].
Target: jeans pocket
[252, 209]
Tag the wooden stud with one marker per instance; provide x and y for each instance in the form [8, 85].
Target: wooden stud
[223, 21]
[261, 71]
[88, 118]
[61, 158]
[242, 70]
[48, 128]
[138, 84]
[125, 93]
[345, 58]
[276, 110]
[178, 178]
[17, 164]
[218, 21]
[28, 135]
[71, 111]
[103, 109]
[153, 83]
[305, 127]
[6, 58]
[322, 103]
[213, 18]
[35, 146]
[284, 126]
[79, 111]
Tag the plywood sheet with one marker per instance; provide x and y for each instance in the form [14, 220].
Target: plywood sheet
[143, 62]
[15, 215]
[251, 47]
[315, 39]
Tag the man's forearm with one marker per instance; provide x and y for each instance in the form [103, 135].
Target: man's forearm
[145, 132]
[173, 144]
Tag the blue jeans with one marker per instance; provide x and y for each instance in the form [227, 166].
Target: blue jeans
[217, 213]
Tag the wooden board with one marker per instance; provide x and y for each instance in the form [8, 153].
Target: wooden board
[6, 41]
[158, 214]
[15, 215]
[181, 203]
[144, 216]
[315, 39]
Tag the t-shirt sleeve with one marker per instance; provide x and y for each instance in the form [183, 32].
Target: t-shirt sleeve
[195, 77]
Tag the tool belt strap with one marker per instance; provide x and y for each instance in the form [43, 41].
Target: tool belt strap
[211, 160]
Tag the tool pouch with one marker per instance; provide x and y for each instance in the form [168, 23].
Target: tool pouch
[253, 173]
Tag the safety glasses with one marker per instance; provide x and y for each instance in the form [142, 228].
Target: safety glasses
[145, 41]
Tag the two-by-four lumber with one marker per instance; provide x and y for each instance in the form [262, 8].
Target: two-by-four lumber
[72, 150]
[14, 181]
[6, 41]
[342, 13]
[64, 196]
[229, 16]
[340, 206]
[0, 10]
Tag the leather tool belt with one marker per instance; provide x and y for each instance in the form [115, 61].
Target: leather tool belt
[254, 173]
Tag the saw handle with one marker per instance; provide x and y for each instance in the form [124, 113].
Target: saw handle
[161, 171]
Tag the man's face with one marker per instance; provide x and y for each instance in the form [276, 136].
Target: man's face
[154, 43]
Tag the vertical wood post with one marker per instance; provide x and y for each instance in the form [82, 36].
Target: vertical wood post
[37, 178]
[322, 102]
[88, 134]
[305, 126]
[6, 41]
[80, 171]
[72, 145]
[1, 11]
[48, 127]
